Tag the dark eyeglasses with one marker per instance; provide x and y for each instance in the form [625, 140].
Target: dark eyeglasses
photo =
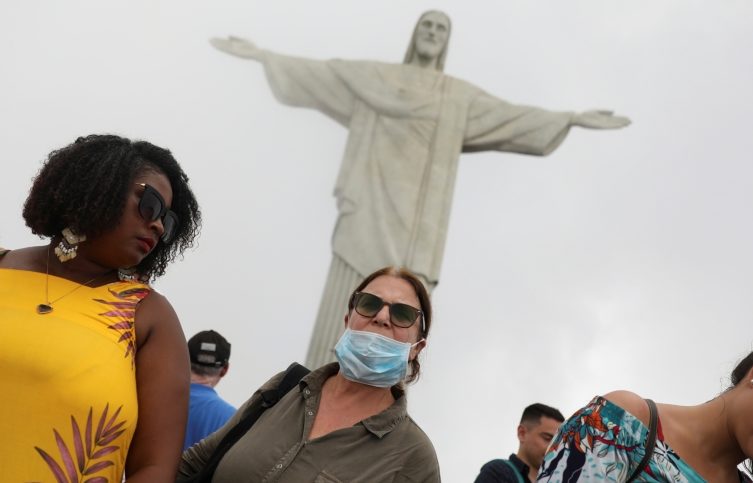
[402, 315]
[152, 206]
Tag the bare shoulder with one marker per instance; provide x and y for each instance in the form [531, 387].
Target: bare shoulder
[29, 258]
[155, 304]
[155, 314]
[154, 300]
[630, 402]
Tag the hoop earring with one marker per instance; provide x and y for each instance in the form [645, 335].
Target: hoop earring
[67, 249]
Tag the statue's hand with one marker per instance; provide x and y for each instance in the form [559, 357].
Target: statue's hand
[599, 120]
[238, 47]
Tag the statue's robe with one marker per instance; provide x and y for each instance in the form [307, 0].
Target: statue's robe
[407, 127]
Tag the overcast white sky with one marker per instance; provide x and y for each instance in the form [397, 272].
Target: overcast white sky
[622, 260]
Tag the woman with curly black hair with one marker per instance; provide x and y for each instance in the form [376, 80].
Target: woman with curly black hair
[93, 360]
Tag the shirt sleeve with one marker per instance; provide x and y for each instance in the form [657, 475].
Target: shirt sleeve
[195, 457]
[497, 125]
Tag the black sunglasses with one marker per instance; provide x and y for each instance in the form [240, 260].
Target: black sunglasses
[152, 206]
[402, 315]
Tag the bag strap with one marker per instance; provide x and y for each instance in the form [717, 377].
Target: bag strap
[269, 398]
[518, 476]
[650, 442]
[293, 375]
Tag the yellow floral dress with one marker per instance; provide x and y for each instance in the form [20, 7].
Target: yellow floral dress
[68, 406]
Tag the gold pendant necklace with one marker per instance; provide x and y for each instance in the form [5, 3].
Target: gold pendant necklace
[46, 307]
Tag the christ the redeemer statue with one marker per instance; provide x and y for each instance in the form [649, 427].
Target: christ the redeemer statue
[408, 124]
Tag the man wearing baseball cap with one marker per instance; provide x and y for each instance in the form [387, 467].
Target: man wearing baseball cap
[207, 412]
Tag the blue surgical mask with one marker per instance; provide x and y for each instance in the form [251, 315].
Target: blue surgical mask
[372, 359]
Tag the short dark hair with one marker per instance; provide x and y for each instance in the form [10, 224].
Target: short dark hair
[202, 370]
[85, 185]
[534, 412]
[423, 299]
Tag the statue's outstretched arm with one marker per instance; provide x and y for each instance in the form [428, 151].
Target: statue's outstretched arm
[238, 47]
[599, 120]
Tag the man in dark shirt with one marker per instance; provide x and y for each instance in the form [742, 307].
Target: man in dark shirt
[537, 427]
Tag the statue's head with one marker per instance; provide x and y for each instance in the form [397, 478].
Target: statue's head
[428, 47]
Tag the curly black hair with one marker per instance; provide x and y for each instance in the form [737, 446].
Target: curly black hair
[85, 185]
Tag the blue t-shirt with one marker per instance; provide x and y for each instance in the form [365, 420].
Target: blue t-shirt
[207, 412]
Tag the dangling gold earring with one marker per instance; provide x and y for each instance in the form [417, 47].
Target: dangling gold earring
[68, 247]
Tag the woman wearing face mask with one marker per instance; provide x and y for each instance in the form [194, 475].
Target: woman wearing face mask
[348, 420]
